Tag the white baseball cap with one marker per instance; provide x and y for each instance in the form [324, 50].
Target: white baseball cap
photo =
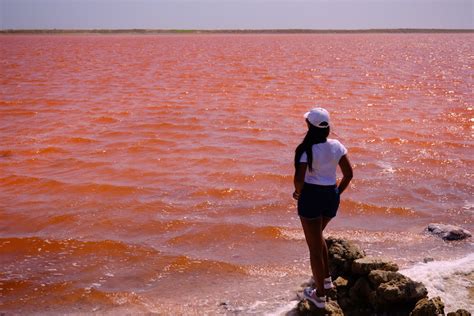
[318, 117]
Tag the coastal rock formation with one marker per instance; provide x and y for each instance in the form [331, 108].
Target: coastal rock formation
[459, 312]
[363, 266]
[448, 232]
[377, 277]
[307, 309]
[401, 290]
[341, 255]
[370, 286]
[425, 306]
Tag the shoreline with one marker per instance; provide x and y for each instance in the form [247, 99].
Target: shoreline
[375, 284]
[229, 31]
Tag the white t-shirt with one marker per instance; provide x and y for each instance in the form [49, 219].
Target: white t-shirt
[326, 157]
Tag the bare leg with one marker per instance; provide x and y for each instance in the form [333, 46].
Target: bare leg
[314, 238]
[325, 248]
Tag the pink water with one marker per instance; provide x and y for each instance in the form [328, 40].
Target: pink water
[154, 173]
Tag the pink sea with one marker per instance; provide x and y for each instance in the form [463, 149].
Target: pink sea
[153, 173]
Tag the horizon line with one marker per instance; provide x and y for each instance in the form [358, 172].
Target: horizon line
[276, 30]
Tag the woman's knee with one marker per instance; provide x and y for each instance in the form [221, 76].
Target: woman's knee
[316, 244]
[313, 233]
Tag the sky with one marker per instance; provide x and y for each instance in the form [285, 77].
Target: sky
[236, 14]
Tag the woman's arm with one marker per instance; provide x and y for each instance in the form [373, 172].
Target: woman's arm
[298, 179]
[346, 169]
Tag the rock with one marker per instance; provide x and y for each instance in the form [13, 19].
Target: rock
[307, 308]
[371, 286]
[340, 282]
[400, 291]
[448, 232]
[361, 291]
[341, 255]
[342, 292]
[377, 277]
[363, 266]
[428, 307]
[459, 312]
[428, 259]
[332, 294]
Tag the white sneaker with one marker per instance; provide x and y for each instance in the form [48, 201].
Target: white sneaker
[327, 283]
[319, 301]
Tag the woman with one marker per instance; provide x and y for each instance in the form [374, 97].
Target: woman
[317, 192]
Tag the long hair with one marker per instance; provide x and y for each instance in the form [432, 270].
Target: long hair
[315, 135]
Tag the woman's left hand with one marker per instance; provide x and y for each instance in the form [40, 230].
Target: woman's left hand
[296, 195]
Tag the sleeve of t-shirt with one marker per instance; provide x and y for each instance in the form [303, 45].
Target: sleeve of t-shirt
[342, 150]
[304, 157]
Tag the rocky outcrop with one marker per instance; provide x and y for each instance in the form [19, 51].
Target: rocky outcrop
[363, 266]
[459, 312]
[377, 277]
[370, 286]
[426, 307]
[341, 255]
[401, 292]
[448, 232]
[307, 309]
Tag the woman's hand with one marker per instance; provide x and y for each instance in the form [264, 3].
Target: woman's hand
[298, 179]
[347, 174]
[296, 195]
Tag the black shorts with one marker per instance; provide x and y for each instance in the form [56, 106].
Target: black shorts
[318, 200]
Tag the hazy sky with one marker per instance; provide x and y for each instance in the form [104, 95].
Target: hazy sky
[236, 14]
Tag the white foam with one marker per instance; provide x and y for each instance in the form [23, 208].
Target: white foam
[283, 310]
[451, 280]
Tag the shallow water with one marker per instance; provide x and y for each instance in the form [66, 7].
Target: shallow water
[138, 171]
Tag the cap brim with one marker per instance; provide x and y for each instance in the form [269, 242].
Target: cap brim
[306, 115]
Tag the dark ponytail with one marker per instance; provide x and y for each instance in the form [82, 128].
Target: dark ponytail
[315, 135]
